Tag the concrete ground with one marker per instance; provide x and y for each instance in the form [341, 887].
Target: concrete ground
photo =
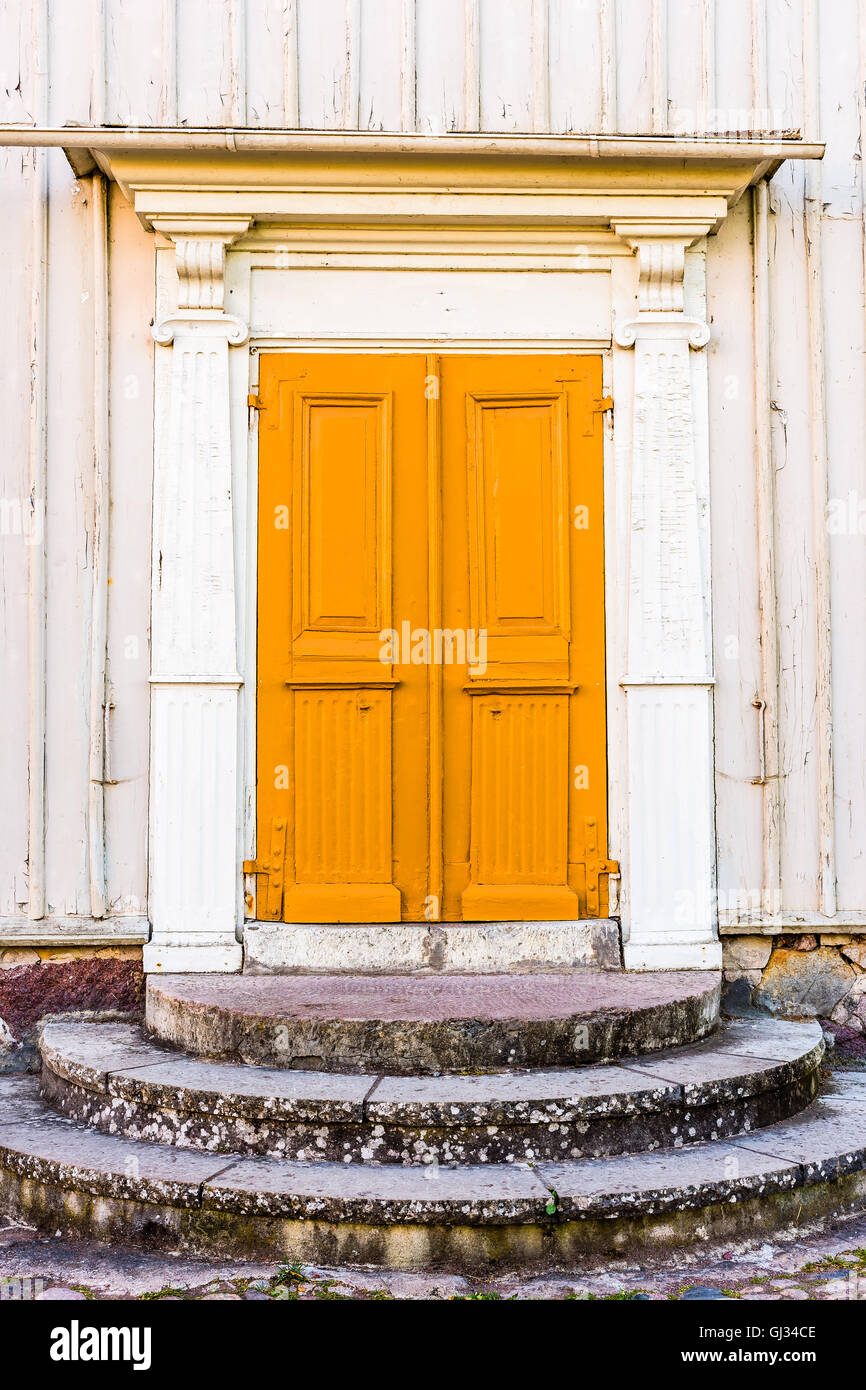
[829, 1264]
[825, 1262]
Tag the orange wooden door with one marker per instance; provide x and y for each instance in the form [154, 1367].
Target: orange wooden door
[430, 714]
[342, 736]
[525, 776]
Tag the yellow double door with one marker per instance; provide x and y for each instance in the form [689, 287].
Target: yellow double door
[431, 705]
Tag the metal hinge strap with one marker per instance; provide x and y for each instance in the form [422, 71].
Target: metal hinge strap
[596, 866]
[273, 869]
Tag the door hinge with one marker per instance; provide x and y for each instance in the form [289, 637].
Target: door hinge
[254, 404]
[274, 870]
[597, 407]
[596, 866]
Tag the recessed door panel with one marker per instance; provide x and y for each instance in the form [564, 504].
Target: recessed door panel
[342, 484]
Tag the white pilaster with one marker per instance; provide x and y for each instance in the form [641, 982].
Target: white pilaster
[194, 675]
[669, 885]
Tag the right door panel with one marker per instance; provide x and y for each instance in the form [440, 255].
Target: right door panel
[524, 798]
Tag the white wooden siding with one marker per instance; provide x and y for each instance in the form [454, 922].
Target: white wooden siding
[432, 66]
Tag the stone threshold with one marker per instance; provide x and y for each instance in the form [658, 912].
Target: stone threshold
[391, 948]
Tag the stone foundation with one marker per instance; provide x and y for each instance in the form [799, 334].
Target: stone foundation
[806, 975]
[35, 984]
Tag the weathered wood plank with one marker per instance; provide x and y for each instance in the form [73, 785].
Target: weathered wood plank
[735, 565]
[328, 70]
[134, 63]
[440, 59]
[575, 59]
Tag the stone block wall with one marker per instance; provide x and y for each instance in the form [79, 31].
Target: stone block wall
[805, 975]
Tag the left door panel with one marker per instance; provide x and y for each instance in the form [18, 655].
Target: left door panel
[342, 829]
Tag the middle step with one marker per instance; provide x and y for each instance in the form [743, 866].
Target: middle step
[752, 1073]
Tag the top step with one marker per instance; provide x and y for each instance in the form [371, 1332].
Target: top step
[405, 1025]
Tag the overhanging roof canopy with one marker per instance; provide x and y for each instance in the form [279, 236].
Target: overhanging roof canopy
[313, 177]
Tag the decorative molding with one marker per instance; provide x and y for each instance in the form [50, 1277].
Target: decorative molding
[669, 896]
[662, 266]
[668, 327]
[201, 263]
[659, 187]
[200, 245]
[205, 321]
[661, 252]
[189, 222]
[194, 585]
[668, 636]
[194, 873]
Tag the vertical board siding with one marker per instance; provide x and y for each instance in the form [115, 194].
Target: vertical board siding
[506, 66]
[574, 48]
[69, 541]
[204, 81]
[37, 478]
[329, 45]
[626, 66]
[380, 48]
[737, 652]
[634, 66]
[819, 470]
[71, 59]
[734, 107]
[440, 52]
[790, 387]
[840, 98]
[131, 419]
[689, 59]
[134, 63]
[784, 40]
[267, 25]
[17, 533]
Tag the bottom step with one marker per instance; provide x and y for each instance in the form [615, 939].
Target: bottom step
[61, 1177]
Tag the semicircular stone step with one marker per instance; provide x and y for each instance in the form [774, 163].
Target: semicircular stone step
[59, 1176]
[414, 1025]
[749, 1074]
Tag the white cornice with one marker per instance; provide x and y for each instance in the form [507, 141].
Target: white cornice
[315, 178]
[80, 141]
